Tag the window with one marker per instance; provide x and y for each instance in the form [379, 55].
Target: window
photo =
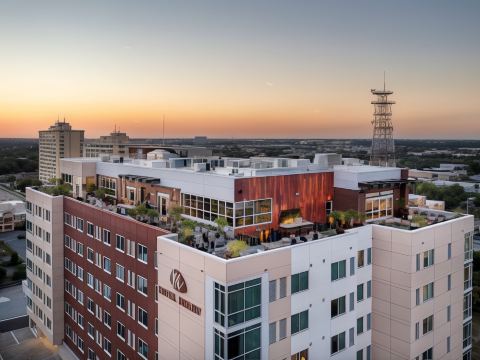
[449, 312]
[107, 292]
[359, 292]
[428, 258]
[120, 272]
[369, 289]
[428, 354]
[299, 322]
[282, 325]
[378, 205]
[360, 325]
[90, 255]
[448, 344]
[369, 256]
[337, 306]
[360, 354]
[467, 305]
[107, 346]
[120, 355]
[417, 331]
[417, 296]
[351, 337]
[338, 270]
[219, 302]
[120, 301]
[90, 229]
[449, 251]
[272, 331]
[248, 212]
[120, 243]
[449, 282]
[337, 343]
[142, 285]
[142, 253]
[467, 276]
[302, 355]
[427, 324]
[283, 287]
[299, 282]
[107, 319]
[142, 348]
[244, 343]
[121, 330]
[369, 321]
[107, 265]
[467, 334]
[352, 301]
[427, 292]
[80, 224]
[244, 301]
[272, 290]
[106, 237]
[352, 266]
[142, 317]
[360, 258]
[468, 246]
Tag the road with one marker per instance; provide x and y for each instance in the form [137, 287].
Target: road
[16, 244]
[6, 194]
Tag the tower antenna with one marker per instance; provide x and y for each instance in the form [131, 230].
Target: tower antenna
[163, 130]
[383, 146]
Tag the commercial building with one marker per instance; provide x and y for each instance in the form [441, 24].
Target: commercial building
[12, 215]
[58, 142]
[114, 144]
[398, 287]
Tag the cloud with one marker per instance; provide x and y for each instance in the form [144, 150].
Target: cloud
[268, 83]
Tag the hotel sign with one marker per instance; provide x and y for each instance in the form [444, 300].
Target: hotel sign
[178, 283]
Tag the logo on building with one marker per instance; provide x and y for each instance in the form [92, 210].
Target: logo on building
[177, 281]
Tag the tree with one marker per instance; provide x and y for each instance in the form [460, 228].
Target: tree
[14, 258]
[27, 182]
[221, 223]
[175, 215]
[235, 247]
[91, 187]
[100, 194]
[57, 190]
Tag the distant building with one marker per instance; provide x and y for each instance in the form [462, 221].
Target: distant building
[200, 139]
[56, 143]
[423, 202]
[12, 215]
[114, 144]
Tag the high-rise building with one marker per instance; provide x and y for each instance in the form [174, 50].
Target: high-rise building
[105, 285]
[114, 144]
[58, 142]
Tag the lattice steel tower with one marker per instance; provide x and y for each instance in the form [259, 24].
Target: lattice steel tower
[383, 147]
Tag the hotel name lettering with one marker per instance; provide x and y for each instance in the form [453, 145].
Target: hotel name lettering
[181, 301]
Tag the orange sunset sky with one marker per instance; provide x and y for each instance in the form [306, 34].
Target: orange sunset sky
[239, 69]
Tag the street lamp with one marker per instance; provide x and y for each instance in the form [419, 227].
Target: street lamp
[468, 200]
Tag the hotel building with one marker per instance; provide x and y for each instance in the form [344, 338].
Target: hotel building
[58, 142]
[394, 288]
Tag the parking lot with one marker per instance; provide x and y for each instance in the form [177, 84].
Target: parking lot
[22, 344]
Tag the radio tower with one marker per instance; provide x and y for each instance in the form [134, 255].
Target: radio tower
[383, 147]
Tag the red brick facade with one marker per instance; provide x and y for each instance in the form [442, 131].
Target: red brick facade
[131, 230]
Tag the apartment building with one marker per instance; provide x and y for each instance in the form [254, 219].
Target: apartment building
[59, 141]
[299, 290]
